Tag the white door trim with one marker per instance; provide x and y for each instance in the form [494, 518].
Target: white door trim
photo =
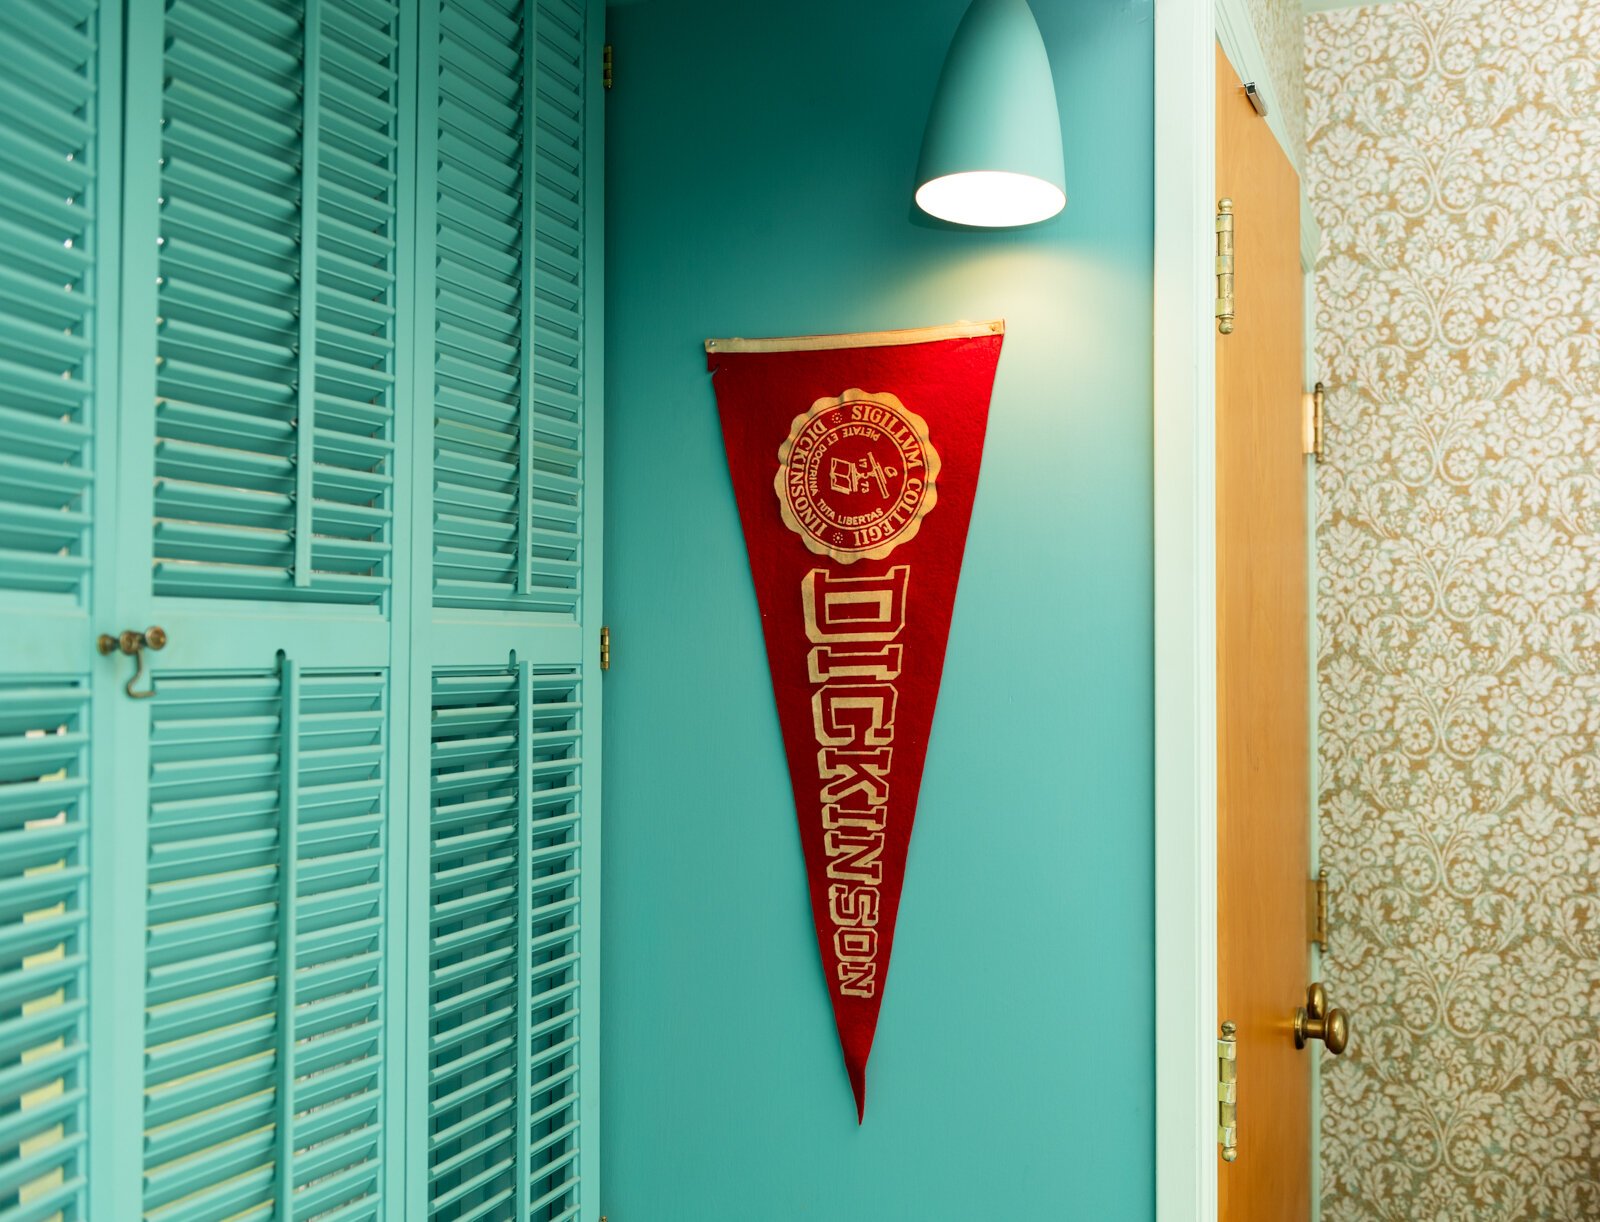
[1185, 612]
[1186, 32]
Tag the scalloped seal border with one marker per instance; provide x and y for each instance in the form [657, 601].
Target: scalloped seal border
[930, 496]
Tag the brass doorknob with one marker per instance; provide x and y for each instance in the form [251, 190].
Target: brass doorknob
[1315, 1021]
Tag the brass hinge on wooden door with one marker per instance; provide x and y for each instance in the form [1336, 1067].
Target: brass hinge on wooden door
[1317, 911]
[1228, 1093]
[605, 649]
[1311, 434]
[1225, 266]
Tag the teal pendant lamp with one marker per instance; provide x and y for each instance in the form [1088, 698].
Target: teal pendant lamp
[991, 155]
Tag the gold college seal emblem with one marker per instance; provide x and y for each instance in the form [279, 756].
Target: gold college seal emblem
[856, 476]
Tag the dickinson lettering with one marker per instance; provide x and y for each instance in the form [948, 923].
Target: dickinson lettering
[851, 623]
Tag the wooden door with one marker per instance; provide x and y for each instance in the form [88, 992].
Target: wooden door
[1262, 641]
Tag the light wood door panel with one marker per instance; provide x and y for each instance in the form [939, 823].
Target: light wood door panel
[1262, 641]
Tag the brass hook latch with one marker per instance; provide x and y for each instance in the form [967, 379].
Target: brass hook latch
[134, 644]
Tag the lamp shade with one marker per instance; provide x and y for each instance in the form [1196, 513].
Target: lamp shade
[991, 154]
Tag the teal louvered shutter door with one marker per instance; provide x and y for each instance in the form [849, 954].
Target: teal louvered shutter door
[49, 195]
[275, 301]
[264, 1044]
[511, 306]
[59, 95]
[43, 945]
[510, 129]
[505, 971]
[334, 954]
[267, 241]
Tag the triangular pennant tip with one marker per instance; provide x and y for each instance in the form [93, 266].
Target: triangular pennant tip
[858, 1085]
[854, 461]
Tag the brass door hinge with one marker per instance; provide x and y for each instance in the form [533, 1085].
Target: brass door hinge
[605, 649]
[1225, 266]
[1311, 434]
[1317, 911]
[605, 66]
[1228, 1093]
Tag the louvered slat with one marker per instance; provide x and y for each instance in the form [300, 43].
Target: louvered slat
[264, 1046]
[510, 307]
[505, 984]
[49, 157]
[275, 385]
[43, 978]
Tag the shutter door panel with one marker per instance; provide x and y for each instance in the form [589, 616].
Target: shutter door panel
[509, 338]
[505, 986]
[559, 341]
[264, 1051]
[355, 286]
[551, 953]
[512, 644]
[48, 160]
[281, 295]
[43, 985]
[264, 400]
[58, 226]
[276, 300]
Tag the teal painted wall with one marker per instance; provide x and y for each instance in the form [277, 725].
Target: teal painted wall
[759, 162]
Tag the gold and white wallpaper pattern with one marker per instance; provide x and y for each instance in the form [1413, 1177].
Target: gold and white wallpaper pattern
[1454, 169]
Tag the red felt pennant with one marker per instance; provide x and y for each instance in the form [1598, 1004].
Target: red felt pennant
[854, 462]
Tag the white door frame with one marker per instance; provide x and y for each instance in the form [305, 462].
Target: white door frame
[1186, 33]
[1185, 613]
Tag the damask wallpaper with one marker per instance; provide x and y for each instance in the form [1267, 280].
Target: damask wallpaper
[1454, 169]
[1279, 27]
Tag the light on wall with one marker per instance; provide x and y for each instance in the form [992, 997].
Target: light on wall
[991, 155]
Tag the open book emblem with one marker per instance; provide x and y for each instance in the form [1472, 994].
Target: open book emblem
[860, 475]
